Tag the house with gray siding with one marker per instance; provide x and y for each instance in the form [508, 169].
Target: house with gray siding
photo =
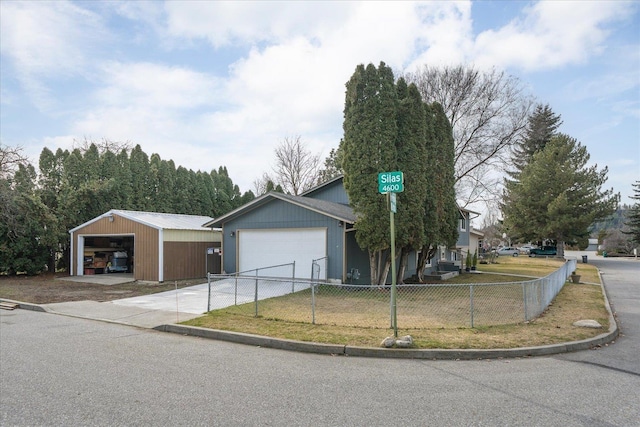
[316, 230]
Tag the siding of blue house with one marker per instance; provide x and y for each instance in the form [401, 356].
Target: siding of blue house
[332, 192]
[278, 214]
[463, 233]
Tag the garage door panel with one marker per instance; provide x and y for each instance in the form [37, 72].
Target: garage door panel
[271, 247]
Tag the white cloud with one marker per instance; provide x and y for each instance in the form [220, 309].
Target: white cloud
[447, 34]
[230, 22]
[45, 40]
[552, 34]
[156, 87]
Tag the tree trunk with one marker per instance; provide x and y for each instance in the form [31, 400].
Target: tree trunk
[426, 253]
[373, 266]
[384, 271]
[404, 257]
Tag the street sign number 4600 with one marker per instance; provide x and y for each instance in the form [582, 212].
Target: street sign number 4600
[390, 182]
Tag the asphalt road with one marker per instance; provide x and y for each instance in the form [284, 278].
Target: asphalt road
[58, 370]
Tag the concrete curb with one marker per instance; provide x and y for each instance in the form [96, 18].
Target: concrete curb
[395, 353]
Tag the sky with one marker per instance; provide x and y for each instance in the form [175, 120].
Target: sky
[209, 84]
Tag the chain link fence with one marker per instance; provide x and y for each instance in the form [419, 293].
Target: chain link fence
[418, 306]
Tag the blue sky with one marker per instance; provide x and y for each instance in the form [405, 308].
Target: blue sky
[211, 84]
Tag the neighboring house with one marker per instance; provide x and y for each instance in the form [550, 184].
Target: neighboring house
[475, 240]
[315, 227]
[150, 246]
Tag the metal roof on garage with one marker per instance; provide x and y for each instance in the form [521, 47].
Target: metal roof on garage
[335, 210]
[160, 221]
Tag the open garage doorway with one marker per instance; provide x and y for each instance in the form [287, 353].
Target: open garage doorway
[106, 254]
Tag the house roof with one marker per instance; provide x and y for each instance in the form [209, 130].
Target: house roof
[160, 221]
[322, 185]
[477, 232]
[335, 210]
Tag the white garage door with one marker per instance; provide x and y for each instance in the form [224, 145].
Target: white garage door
[266, 248]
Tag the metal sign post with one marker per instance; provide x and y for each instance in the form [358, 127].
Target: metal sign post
[394, 313]
[390, 183]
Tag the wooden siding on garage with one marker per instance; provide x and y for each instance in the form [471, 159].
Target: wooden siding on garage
[187, 260]
[145, 251]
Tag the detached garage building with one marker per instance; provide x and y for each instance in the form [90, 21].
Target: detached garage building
[158, 246]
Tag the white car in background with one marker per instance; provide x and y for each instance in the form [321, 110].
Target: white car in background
[508, 250]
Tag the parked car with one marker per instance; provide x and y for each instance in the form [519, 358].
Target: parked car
[508, 250]
[543, 251]
[525, 249]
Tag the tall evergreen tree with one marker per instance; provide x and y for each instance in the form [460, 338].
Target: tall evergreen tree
[182, 195]
[440, 207]
[542, 125]
[140, 188]
[51, 170]
[166, 175]
[445, 193]
[332, 166]
[412, 159]
[633, 218]
[25, 240]
[123, 183]
[558, 197]
[370, 135]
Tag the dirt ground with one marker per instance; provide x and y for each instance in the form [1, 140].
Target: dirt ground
[44, 289]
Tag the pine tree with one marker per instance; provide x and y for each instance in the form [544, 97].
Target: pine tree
[542, 125]
[558, 197]
[633, 218]
[332, 166]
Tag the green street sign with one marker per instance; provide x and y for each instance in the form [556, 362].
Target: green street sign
[390, 182]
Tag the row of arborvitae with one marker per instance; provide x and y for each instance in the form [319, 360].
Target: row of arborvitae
[471, 261]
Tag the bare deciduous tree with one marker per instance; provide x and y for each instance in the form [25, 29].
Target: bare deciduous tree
[10, 159]
[296, 167]
[103, 145]
[488, 111]
[265, 184]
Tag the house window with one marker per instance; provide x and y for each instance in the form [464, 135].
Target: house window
[463, 224]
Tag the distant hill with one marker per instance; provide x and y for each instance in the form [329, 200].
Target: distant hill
[614, 222]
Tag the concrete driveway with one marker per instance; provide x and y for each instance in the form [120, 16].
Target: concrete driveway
[101, 279]
[224, 293]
